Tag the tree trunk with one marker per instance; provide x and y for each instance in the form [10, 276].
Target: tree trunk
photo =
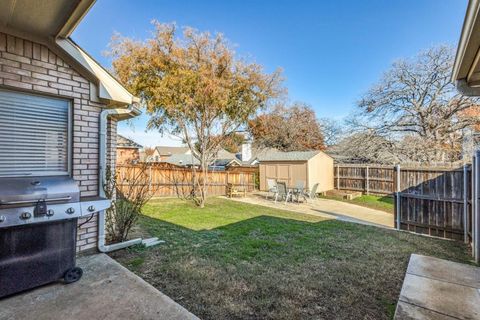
[203, 182]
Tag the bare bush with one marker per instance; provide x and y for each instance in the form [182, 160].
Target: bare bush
[130, 193]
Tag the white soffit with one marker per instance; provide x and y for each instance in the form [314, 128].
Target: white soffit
[108, 87]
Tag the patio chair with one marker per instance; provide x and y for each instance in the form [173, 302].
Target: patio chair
[271, 187]
[236, 190]
[299, 190]
[283, 192]
[312, 195]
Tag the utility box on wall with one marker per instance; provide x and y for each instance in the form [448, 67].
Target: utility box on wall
[289, 167]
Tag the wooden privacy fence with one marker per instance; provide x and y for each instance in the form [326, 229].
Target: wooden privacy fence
[173, 181]
[365, 178]
[433, 201]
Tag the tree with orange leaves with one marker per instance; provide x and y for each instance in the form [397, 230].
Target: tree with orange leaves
[194, 87]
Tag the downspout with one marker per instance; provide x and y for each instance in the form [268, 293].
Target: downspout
[102, 163]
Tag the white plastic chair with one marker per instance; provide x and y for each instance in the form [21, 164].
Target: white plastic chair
[271, 187]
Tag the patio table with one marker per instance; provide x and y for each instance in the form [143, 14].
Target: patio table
[296, 192]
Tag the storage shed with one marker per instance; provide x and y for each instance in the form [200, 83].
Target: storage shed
[309, 166]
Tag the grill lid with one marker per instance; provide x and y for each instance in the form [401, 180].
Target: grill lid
[21, 191]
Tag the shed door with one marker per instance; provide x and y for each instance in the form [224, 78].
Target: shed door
[298, 172]
[283, 173]
[271, 171]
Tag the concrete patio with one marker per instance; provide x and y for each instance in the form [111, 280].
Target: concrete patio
[330, 209]
[106, 291]
[439, 289]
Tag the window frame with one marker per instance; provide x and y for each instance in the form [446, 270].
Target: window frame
[69, 157]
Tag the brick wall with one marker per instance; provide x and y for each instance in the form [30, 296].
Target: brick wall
[34, 68]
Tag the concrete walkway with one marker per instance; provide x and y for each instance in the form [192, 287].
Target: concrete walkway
[439, 289]
[106, 291]
[330, 209]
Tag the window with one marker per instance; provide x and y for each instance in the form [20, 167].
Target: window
[34, 135]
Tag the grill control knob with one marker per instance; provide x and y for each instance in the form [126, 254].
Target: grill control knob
[70, 210]
[50, 212]
[2, 219]
[25, 215]
[91, 208]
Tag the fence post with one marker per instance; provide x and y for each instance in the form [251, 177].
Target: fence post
[397, 205]
[474, 203]
[366, 180]
[475, 218]
[465, 204]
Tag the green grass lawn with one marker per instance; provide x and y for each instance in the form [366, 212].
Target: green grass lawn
[383, 203]
[233, 260]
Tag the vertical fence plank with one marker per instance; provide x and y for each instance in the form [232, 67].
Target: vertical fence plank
[397, 197]
[366, 180]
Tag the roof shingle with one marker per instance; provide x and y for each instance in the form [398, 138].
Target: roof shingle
[288, 156]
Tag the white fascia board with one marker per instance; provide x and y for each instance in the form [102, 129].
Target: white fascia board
[109, 89]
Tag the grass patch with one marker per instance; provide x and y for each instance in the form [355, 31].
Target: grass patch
[383, 203]
[135, 262]
[233, 260]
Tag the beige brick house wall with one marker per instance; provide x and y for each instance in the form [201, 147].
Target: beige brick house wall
[32, 67]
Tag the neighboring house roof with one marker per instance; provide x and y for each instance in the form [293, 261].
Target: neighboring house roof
[226, 162]
[258, 153]
[123, 142]
[183, 160]
[223, 159]
[168, 151]
[224, 154]
[51, 23]
[289, 156]
[466, 68]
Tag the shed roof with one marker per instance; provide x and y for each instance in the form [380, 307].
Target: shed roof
[289, 156]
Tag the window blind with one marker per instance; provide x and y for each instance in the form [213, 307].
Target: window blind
[34, 133]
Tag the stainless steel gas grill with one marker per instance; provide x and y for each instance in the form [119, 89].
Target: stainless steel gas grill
[38, 224]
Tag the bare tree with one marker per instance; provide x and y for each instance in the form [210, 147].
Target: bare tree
[333, 131]
[416, 107]
[365, 147]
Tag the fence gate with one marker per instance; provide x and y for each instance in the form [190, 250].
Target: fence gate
[474, 222]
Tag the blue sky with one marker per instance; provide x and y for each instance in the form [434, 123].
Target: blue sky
[331, 51]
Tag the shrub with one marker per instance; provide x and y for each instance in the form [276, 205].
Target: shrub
[129, 195]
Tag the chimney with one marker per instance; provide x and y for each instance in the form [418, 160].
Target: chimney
[246, 150]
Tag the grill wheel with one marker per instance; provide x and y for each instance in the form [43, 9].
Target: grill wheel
[73, 275]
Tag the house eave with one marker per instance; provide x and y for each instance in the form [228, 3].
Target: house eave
[466, 68]
[51, 25]
[109, 90]
[75, 18]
